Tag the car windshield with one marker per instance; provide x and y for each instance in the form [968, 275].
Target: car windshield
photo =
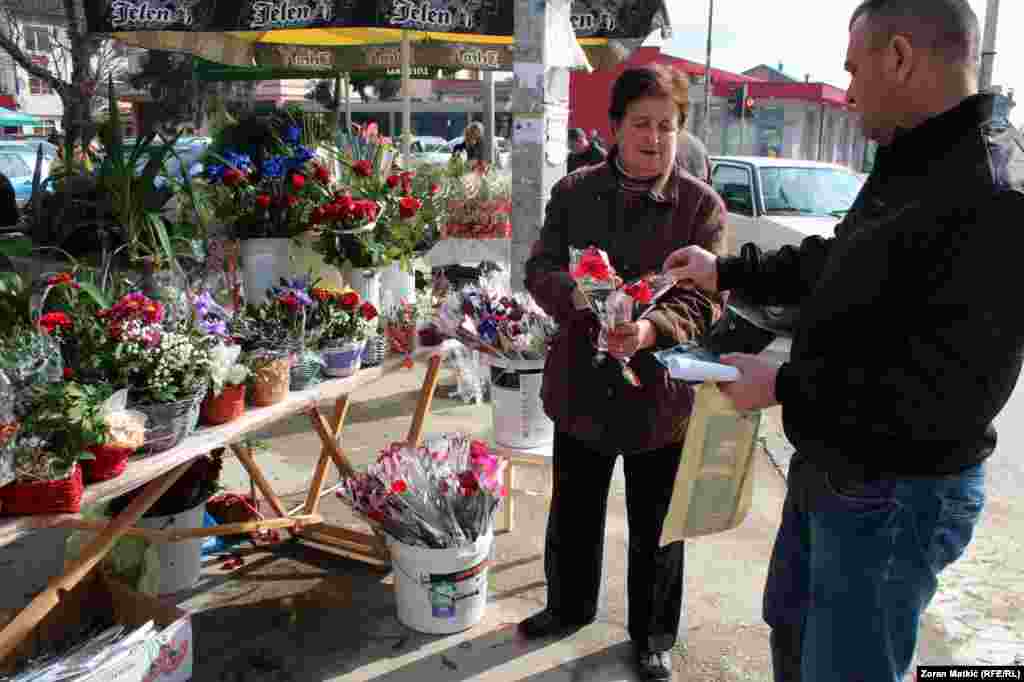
[809, 191]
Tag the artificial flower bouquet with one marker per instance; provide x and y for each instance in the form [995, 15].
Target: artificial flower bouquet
[489, 317]
[399, 321]
[614, 301]
[442, 494]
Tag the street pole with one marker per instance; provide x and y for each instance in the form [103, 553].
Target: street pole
[743, 117]
[988, 50]
[707, 79]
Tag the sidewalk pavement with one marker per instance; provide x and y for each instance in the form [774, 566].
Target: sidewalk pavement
[300, 614]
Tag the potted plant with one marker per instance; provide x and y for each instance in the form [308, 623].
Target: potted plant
[292, 305]
[347, 322]
[270, 375]
[165, 369]
[266, 194]
[226, 399]
[63, 420]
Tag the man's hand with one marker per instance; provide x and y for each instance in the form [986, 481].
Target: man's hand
[693, 266]
[755, 388]
[626, 339]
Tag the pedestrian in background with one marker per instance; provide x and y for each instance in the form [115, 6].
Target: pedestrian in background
[891, 434]
[582, 152]
[472, 144]
[637, 206]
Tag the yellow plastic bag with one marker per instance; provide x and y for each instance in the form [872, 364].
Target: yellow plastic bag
[713, 487]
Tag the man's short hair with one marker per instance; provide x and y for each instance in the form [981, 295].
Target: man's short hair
[576, 134]
[946, 26]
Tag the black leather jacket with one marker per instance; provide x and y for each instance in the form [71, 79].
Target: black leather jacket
[910, 334]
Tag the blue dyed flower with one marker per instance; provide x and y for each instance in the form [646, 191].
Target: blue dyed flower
[488, 330]
[274, 167]
[215, 172]
[293, 135]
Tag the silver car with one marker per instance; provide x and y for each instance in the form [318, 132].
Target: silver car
[777, 202]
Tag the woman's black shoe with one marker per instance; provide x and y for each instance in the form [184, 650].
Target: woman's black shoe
[655, 665]
[546, 624]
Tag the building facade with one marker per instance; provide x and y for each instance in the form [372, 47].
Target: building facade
[791, 118]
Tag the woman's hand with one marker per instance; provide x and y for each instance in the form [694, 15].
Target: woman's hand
[628, 338]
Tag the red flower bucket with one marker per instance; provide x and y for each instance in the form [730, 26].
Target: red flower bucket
[44, 497]
[226, 407]
[110, 462]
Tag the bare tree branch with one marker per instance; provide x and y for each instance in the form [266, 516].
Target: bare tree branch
[10, 43]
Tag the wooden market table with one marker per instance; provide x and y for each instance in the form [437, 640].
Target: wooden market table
[158, 472]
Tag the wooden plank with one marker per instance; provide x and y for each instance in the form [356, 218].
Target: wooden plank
[244, 455]
[340, 412]
[21, 627]
[363, 554]
[339, 532]
[426, 398]
[192, 533]
[142, 470]
[323, 430]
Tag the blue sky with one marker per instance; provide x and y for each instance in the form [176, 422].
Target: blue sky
[809, 37]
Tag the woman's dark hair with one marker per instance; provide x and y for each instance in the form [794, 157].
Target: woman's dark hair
[653, 80]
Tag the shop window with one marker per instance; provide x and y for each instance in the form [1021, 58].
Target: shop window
[38, 86]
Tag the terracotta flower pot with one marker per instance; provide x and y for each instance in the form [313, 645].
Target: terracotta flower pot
[270, 383]
[226, 407]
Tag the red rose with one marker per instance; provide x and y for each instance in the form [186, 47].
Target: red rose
[639, 291]
[68, 373]
[393, 181]
[298, 181]
[363, 168]
[316, 216]
[232, 177]
[291, 200]
[592, 265]
[398, 487]
[350, 299]
[263, 201]
[435, 188]
[322, 174]
[407, 206]
[367, 311]
[52, 321]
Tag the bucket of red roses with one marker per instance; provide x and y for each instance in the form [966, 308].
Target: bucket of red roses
[347, 322]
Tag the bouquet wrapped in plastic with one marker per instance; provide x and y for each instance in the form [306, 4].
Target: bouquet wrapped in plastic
[439, 495]
[488, 317]
[614, 301]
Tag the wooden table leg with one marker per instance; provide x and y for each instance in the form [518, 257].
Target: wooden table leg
[313, 498]
[426, 398]
[244, 454]
[330, 444]
[21, 627]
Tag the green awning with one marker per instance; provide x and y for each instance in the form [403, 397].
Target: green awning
[213, 72]
[17, 118]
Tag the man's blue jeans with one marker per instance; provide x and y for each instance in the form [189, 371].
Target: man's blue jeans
[855, 565]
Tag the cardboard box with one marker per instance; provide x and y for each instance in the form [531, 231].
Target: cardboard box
[164, 657]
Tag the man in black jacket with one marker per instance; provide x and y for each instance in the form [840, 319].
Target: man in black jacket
[908, 345]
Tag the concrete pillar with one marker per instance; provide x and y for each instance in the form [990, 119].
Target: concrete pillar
[539, 128]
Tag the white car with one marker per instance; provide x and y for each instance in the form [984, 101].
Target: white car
[777, 202]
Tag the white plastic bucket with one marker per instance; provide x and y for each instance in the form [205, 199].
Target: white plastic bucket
[366, 282]
[441, 591]
[519, 418]
[400, 283]
[264, 263]
[180, 562]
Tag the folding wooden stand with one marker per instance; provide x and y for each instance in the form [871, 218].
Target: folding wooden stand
[158, 472]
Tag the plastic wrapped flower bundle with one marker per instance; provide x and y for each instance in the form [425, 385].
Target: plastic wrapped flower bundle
[442, 494]
[489, 317]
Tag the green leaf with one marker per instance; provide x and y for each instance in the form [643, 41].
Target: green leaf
[19, 247]
[85, 454]
[93, 292]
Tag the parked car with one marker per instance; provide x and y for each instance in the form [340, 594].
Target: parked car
[428, 149]
[17, 170]
[28, 149]
[774, 202]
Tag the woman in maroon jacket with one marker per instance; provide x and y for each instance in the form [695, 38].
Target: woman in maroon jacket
[638, 206]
